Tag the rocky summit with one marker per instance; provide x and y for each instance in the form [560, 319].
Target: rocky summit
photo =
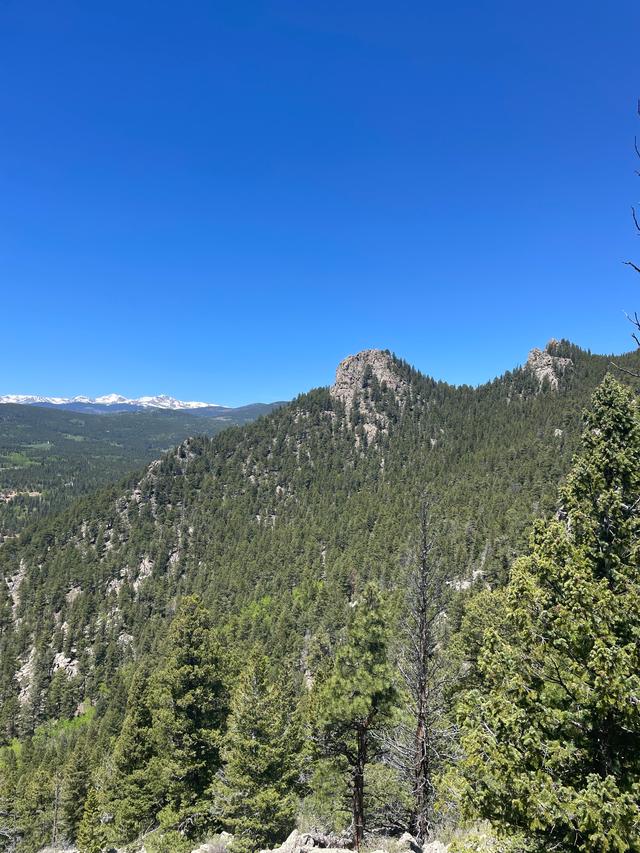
[353, 372]
[547, 367]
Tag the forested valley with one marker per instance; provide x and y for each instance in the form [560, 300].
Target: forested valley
[393, 614]
[51, 456]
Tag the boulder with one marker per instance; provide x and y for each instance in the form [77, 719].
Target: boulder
[303, 842]
[408, 842]
[219, 845]
[435, 847]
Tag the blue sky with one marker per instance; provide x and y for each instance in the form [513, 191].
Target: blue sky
[220, 200]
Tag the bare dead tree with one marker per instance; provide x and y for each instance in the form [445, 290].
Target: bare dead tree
[420, 745]
[634, 319]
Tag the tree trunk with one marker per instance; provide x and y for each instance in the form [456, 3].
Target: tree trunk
[421, 783]
[358, 786]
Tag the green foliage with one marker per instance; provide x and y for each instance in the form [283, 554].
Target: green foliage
[139, 783]
[190, 705]
[327, 806]
[92, 837]
[359, 690]
[75, 785]
[257, 793]
[50, 456]
[356, 700]
[169, 746]
[551, 732]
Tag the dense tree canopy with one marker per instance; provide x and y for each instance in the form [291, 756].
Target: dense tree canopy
[551, 735]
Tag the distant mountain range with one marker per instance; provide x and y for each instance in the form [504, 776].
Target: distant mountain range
[111, 403]
[52, 452]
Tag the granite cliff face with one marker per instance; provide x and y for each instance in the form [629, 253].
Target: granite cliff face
[351, 375]
[547, 367]
[356, 377]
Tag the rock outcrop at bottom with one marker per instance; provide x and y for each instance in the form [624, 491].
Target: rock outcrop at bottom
[302, 842]
[311, 842]
[435, 847]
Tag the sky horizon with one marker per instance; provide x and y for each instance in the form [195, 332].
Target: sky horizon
[217, 402]
[222, 202]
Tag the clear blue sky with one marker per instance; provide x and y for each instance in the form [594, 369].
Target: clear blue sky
[220, 200]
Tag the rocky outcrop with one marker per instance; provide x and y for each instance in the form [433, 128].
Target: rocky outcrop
[547, 367]
[351, 375]
[220, 845]
[366, 383]
[312, 842]
[303, 842]
[435, 847]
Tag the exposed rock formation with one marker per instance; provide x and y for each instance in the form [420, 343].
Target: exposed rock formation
[547, 367]
[363, 382]
[302, 842]
[435, 847]
[351, 374]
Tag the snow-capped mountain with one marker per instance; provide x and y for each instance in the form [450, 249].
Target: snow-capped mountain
[160, 401]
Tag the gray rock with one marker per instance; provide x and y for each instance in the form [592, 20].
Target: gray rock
[303, 842]
[350, 374]
[409, 843]
[547, 367]
[435, 847]
[58, 850]
[219, 845]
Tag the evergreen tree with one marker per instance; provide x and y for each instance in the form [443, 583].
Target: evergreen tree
[9, 820]
[91, 832]
[356, 700]
[138, 786]
[551, 735]
[189, 705]
[75, 783]
[257, 793]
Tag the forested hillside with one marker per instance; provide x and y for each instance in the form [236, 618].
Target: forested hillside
[49, 457]
[269, 542]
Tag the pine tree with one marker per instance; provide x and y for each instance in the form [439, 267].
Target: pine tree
[356, 700]
[257, 793]
[9, 819]
[75, 783]
[552, 735]
[189, 705]
[138, 786]
[91, 833]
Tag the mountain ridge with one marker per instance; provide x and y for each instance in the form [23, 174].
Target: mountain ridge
[159, 401]
[278, 526]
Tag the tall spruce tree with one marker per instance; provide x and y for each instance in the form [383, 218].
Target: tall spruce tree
[355, 701]
[551, 735]
[189, 703]
[75, 784]
[139, 782]
[92, 837]
[257, 793]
